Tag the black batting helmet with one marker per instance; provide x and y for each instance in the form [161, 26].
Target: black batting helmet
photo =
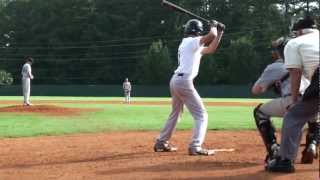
[193, 27]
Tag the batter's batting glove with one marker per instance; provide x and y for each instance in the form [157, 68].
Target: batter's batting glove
[221, 27]
[214, 31]
[213, 23]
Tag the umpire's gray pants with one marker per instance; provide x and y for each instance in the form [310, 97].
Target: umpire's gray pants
[293, 124]
[183, 92]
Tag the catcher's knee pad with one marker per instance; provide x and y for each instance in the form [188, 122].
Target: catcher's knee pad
[265, 127]
[313, 135]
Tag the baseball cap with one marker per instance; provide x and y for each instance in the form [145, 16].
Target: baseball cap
[29, 59]
[304, 23]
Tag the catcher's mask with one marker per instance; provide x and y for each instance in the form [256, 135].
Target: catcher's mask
[279, 45]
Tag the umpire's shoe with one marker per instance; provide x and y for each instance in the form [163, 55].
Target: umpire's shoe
[280, 165]
[164, 146]
[309, 153]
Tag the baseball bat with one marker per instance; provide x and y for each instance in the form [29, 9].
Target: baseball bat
[177, 8]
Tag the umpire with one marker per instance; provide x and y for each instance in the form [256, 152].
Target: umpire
[302, 58]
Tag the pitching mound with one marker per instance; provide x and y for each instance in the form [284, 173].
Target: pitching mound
[46, 110]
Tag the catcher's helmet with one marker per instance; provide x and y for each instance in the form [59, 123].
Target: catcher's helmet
[280, 44]
[304, 23]
[193, 27]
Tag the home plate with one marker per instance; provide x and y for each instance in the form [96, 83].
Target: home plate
[224, 150]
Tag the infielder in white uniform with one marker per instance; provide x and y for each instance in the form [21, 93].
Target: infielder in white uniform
[191, 49]
[127, 90]
[26, 78]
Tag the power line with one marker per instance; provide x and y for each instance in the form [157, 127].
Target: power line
[115, 42]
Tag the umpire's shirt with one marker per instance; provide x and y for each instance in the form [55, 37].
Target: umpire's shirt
[303, 53]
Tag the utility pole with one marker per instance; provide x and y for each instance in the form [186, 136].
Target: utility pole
[308, 8]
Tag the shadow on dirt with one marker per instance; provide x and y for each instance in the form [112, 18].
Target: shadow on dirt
[183, 166]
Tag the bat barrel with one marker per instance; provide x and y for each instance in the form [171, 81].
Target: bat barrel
[174, 7]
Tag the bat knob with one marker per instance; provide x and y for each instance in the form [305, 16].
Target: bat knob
[213, 23]
[221, 27]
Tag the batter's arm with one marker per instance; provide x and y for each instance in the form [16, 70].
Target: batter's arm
[214, 43]
[207, 39]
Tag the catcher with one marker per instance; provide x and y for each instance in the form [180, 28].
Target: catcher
[276, 77]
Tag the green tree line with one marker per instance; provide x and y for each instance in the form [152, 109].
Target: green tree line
[105, 41]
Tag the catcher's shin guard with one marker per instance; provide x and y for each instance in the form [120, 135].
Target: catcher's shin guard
[266, 129]
[311, 151]
[313, 135]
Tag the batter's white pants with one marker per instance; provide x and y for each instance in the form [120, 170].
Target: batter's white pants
[26, 90]
[183, 92]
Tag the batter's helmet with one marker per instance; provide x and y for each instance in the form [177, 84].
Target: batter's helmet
[304, 23]
[193, 27]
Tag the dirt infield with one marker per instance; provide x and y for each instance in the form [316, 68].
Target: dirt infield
[129, 155]
[50, 110]
[132, 103]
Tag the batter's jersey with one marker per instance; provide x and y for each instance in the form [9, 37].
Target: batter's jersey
[126, 86]
[275, 72]
[189, 56]
[26, 70]
[303, 53]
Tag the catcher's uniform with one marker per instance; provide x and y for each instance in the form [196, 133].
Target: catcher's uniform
[127, 90]
[26, 78]
[183, 92]
[276, 73]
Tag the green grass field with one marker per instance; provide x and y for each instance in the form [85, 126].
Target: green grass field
[119, 117]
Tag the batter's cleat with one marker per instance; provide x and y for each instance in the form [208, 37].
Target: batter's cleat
[164, 146]
[280, 165]
[308, 154]
[200, 152]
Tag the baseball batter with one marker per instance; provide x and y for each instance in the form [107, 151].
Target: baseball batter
[127, 90]
[302, 59]
[190, 51]
[276, 75]
[26, 81]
